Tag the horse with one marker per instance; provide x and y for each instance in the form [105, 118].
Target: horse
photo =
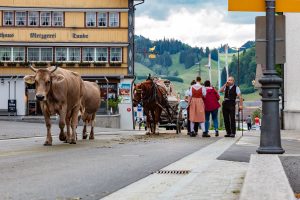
[154, 100]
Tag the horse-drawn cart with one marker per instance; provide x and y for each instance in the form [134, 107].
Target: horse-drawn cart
[177, 118]
[161, 105]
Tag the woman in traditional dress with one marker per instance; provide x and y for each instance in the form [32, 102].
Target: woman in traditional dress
[196, 107]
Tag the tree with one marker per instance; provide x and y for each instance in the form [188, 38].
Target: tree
[214, 54]
[207, 51]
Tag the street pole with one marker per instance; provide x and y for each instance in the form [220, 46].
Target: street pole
[238, 84]
[219, 72]
[209, 67]
[226, 61]
[238, 68]
[219, 84]
[270, 140]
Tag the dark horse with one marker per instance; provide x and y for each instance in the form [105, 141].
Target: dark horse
[154, 100]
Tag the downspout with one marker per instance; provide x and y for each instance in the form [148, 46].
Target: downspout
[133, 51]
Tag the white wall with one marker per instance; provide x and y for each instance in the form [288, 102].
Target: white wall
[292, 72]
[20, 94]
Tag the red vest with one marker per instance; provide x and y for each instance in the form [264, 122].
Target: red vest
[197, 93]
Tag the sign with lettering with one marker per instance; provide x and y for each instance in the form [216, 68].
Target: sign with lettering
[80, 35]
[12, 106]
[7, 35]
[260, 5]
[11, 34]
[42, 36]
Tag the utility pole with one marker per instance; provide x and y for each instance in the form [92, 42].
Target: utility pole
[219, 71]
[226, 61]
[209, 67]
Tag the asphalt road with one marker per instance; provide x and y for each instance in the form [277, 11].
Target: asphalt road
[87, 170]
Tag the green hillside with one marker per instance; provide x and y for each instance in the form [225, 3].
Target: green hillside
[142, 70]
[190, 74]
[186, 74]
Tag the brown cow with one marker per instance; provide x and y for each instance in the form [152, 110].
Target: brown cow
[59, 92]
[90, 103]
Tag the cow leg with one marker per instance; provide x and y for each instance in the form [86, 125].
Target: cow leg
[92, 127]
[48, 141]
[62, 123]
[84, 132]
[74, 122]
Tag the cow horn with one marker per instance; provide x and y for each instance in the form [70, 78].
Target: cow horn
[32, 68]
[54, 69]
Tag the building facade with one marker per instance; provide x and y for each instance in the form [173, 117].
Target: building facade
[291, 73]
[94, 38]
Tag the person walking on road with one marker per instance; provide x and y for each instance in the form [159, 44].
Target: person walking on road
[257, 123]
[212, 106]
[228, 106]
[186, 98]
[196, 107]
[249, 122]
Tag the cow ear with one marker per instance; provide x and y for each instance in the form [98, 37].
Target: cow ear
[58, 78]
[30, 79]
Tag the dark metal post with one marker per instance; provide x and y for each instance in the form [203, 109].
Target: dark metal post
[270, 140]
[238, 68]
[238, 83]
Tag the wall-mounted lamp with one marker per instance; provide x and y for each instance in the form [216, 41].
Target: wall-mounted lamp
[2, 81]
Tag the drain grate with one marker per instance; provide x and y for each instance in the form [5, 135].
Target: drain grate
[173, 172]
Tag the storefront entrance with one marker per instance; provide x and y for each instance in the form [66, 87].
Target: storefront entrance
[33, 107]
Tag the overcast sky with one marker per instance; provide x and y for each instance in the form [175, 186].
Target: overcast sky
[198, 23]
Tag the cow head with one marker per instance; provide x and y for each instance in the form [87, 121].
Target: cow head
[43, 80]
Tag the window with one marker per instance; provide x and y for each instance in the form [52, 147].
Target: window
[101, 54]
[57, 19]
[45, 18]
[102, 19]
[19, 54]
[33, 18]
[20, 18]
[61, 54]
[115, 55]
[8, 18]
[91, 19]
[33, 54]
[46, 54]
[5, 54]
[113, 19]
[39, 54]
[88, 54]
[74, 54]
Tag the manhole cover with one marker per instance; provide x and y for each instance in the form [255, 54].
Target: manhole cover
[173, 172]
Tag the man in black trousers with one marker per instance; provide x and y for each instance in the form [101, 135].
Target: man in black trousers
[231, 91]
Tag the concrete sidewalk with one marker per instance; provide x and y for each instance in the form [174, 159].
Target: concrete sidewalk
[207, 178]
[209, 175]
